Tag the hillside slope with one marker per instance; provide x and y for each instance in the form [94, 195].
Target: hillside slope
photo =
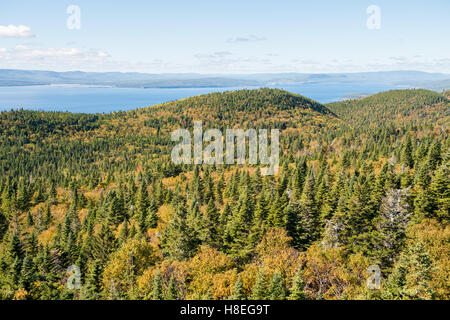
[361, 183]
[399, 105]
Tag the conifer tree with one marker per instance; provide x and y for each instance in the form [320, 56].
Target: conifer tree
[259, 291]
[152, 217]
[171, 292]
[407, 152]
[179, 240]
[307, 226]
[277, 288]
[440, 193]
[411, 276]
[93, 286]
[238, 290]
[27, 273]
[157, 293]
[434, 155]
[298, 286]
[211, 221]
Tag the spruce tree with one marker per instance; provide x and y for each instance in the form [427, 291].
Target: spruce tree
[157, 293]
[238, 290]
[27, 273]
[93, 281]
[211, 221]
[440, 193]
[297, 291]
[277, 288]
[171, 292]
[259, 291]
[179, 240]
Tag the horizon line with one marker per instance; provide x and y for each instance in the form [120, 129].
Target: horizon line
[227, 74]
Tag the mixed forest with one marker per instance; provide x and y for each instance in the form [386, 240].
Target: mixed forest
[362, 182]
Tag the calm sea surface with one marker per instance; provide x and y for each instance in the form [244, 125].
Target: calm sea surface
[105, 99]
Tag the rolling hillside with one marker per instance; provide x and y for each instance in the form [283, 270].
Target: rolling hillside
[362, 182]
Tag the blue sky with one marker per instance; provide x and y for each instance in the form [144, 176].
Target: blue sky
[226, 36]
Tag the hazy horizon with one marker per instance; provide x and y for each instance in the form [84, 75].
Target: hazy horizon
[227, 74]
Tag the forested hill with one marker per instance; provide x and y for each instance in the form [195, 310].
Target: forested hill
[362, 182]
[268, 108]
[250, 100]
[399, 105]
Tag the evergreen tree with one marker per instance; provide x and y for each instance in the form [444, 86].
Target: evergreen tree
[27, 274]
[411, 276]
[440, 193]
[277, 288]
[407, 152]
[157, 293]
[93, 283]
[238, 290]
[298, 287]
[260, 288]
[211, 236]
[179, 240]
[152, 217]
[171, 292]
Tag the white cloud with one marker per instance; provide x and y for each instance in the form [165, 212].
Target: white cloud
[20, 47]
[214, 55]
[250, 38]
[103, 54]
[12, 31]
[25, 57]
[70, 58]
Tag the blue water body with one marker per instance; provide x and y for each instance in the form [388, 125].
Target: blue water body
[108, 99]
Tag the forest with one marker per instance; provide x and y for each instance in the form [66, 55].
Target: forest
[362, 182]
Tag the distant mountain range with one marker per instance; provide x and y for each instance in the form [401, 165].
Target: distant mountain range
[12, 77]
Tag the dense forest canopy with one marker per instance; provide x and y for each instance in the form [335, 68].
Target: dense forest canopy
[362, 182]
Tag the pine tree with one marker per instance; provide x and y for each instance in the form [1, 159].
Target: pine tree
[93, 282]
[236, 236]
[23, 197]
[116, 209]
[307, 226]
[27, 273]
[3, 225]
[16, 249]
[142, 202]
[152, 217]
[260, 288]
[277, 288]
[30, 221]
[238, 291]
[157, 293]
[277, 213]
[434, 155]
[179, 240]
[298, 287]
[406, 156]
[211, 236]
[124, 232]
[440, 193]
[411, 276]
[171, 292]
[259, 219]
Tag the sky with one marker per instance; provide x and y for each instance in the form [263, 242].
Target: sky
[225, 37]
